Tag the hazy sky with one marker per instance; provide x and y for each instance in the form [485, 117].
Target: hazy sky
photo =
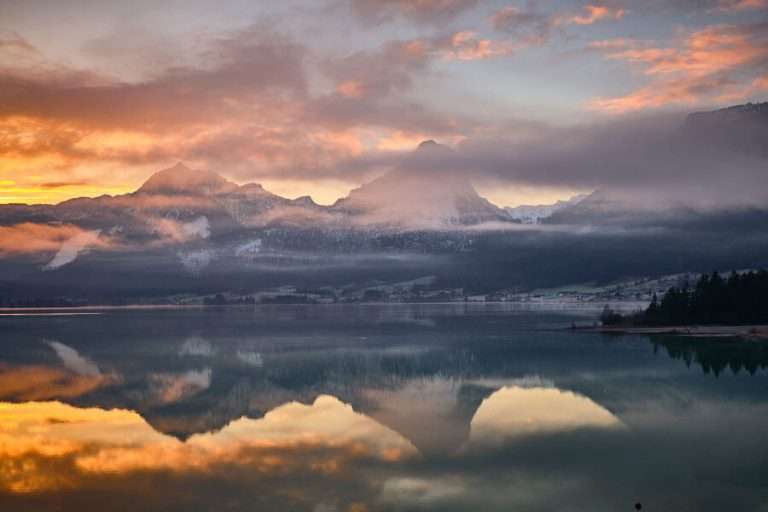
[302, 95]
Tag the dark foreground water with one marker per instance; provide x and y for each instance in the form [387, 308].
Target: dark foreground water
[472, 408]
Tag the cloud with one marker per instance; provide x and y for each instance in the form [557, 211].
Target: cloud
[247, 79]
[73, 247]
[241, 104]
[720, 63]
[177, 232]
[66, 240]
[257, 104]
[653, 158]
[593, 14]
[13, 42]
[527, 23]
[532, 26]
[28, 237]
[248, 64]
[388, 69]
[417, 11]
[467, 46]
[371, 92]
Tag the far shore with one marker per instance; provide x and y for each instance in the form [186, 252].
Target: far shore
[755, 332]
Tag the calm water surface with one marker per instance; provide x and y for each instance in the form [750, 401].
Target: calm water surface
[367, 408]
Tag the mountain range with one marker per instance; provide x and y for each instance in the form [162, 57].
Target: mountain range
[188, 231]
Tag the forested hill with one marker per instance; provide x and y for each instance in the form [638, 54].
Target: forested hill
[740, 299]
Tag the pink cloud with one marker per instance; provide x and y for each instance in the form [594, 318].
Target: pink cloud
[593, 14]
[716, 63]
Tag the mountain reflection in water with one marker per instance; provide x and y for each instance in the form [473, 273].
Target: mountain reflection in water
[376, 408]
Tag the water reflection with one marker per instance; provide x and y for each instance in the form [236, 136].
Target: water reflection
[717, 355]
[44, 383]
[401, 409]
[50, 445]
[513, 412]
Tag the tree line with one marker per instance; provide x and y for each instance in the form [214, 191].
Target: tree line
[739, 299]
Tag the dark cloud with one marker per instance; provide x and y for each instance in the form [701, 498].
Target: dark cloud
[60, 184]
[382, 72]
[527, 23]
[657, 159]
[371, 90]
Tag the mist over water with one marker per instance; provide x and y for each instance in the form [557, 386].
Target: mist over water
[373, 407]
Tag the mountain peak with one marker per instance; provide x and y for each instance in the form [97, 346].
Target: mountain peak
[180, 179]
[304, 201]
[424, 190]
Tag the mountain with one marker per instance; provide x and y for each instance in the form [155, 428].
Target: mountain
[190, 233]
[736, 135]
[402, 199]
[419, 194]
[181, 180]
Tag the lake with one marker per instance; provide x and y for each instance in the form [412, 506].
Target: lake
[465, 407]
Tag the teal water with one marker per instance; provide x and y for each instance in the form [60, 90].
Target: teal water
[374, 407]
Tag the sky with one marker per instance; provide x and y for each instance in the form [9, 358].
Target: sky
[315, 97]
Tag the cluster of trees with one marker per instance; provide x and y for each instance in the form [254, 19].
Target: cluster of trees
[737, 299]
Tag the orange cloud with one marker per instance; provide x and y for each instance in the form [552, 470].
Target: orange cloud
[350, 89]
[706, 51]
[467, 46]
[32, 238]
[533, 27]
[593, 14]
[761, 83]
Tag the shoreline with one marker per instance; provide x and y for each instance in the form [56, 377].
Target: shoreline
[749, 332]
